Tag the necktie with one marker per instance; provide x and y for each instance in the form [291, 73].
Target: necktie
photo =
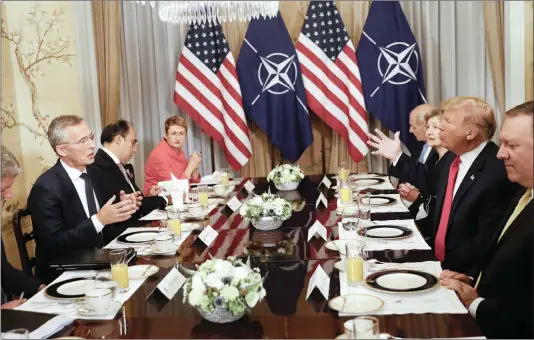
[91, 204]
[518, 209]
[125, 174]
[423, 153]
[439, 246]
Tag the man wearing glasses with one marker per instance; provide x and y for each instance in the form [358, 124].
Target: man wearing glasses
[69, 204]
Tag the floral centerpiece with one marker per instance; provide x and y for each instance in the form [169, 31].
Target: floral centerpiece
[222, 290]
[266, 211]
[286, 177]
[258, 249]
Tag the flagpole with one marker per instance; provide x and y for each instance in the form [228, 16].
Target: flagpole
[323, 156]
[212, 147]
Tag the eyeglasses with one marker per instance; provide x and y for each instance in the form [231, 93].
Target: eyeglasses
[82, 141]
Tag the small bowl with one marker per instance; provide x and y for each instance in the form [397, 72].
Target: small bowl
[220, 189]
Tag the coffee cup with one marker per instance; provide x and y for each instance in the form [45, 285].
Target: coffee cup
[195, 209]
[163, 241]
[220, 189]
[98, 299]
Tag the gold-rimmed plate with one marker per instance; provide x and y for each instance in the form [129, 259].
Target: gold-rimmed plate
[356, 303]
[380, 200]
[401, 281]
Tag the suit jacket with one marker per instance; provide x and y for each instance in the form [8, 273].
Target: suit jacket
[15, 281]
[59, 219]
[507, 280]
[480, 202]
[115, 181]
[161, 162]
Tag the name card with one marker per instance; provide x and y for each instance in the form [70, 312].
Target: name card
[249, 186]
[171, 283]
[321, 199]
[317, 229]
[320, 280]
[327, 183]
[208, 235]
[234, 204]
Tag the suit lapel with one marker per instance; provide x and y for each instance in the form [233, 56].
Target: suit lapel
[528, 211]
[111, 164]
[70, 190]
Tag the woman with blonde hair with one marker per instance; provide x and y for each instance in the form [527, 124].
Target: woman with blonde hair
[169, 157]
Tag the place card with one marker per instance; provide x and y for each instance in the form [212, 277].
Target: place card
[321, 199]
[325, 182]
[320, 280]
[249, 186]
[208, 235]
[234, 204]
[171, 283]
[317, 229]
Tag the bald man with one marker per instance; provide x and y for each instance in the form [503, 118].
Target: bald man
[418, 129]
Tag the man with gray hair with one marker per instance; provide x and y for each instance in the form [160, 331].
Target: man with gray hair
[14, 281]
[69, 204]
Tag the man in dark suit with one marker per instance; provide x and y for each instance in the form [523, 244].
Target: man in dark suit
[501, 299]
[14, 281]
[119, 142]
[472, 191]
[69, 204]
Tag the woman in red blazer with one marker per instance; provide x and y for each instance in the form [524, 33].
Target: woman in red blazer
[168, 156]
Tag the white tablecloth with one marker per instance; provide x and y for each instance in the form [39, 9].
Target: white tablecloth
[438, 300]
[414, 241]
[37, 302]
[144, 249]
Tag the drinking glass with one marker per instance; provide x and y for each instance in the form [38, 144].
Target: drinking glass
[119, 268]
[343, 171]
[18, 333]
[203, 196]
[345, 193]
[354, 262]
[349, 218]
[174, 223]
[104, 280]
[365, 211]
[362, 327]
[225, 176]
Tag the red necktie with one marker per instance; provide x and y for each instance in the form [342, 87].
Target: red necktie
[439, 245]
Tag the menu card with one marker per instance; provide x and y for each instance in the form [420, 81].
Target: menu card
[208, 235]
[317, 229]
[320, 280]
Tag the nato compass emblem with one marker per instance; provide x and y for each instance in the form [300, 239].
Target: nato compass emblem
[397, 64]
[277, 73]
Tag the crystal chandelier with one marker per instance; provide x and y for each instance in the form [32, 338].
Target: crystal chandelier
[178, 12]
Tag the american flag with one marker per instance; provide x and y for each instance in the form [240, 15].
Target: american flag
[331, 75]
[207, 89]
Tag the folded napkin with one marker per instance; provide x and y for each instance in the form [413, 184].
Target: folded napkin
[51, 326]
[174, 184]
[214, 178]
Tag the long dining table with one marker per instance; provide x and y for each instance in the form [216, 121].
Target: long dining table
[284, 312]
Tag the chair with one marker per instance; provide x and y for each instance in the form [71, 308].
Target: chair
[22, 239]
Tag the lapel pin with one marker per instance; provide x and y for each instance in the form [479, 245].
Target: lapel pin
[472, 177]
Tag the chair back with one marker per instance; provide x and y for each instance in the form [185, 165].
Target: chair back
[22, 239]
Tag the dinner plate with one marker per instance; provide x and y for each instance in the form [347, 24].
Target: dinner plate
[156, 251]
[138, 237]
[367, 181]
[140, 271]
[74, 288]
[83, 309]
[387, 232]
[380, 200]
[401, 281]
[356, 303]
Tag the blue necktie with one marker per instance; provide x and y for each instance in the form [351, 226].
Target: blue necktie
[423, 153]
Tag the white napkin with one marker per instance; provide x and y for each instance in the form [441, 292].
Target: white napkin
[155, 215]
[51, 326]
[214, 178]
[174, 184]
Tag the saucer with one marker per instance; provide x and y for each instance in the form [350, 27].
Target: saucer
[83, 309]
[140, 271]
[170, 251]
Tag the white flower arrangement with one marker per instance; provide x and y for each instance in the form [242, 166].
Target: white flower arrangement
[229, 284]
[286, 173]
[266, 205]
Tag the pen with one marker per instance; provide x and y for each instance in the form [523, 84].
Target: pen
[21, 296]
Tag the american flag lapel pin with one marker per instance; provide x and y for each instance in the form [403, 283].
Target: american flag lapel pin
[472, 177]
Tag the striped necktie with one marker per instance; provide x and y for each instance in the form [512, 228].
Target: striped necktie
[527, 196]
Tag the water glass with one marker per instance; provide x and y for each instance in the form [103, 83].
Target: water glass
[349, 218]
[354, 251]
[362, 327]
[119, 268]
[203, 196]
[365, 211]
[104, 280]
[18, 333]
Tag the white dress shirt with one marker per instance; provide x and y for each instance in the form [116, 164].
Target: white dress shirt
[474, 305]
[79, 184]
[467, 159]
[117, 161]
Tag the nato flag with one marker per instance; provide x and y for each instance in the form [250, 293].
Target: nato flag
[272, 87]
[391, 67]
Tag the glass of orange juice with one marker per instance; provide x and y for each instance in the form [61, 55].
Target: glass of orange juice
[345, 193]
[354, 262]
[174, 223]
[203, 196]
[225, 176]
[343, 171]
[119, 268]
